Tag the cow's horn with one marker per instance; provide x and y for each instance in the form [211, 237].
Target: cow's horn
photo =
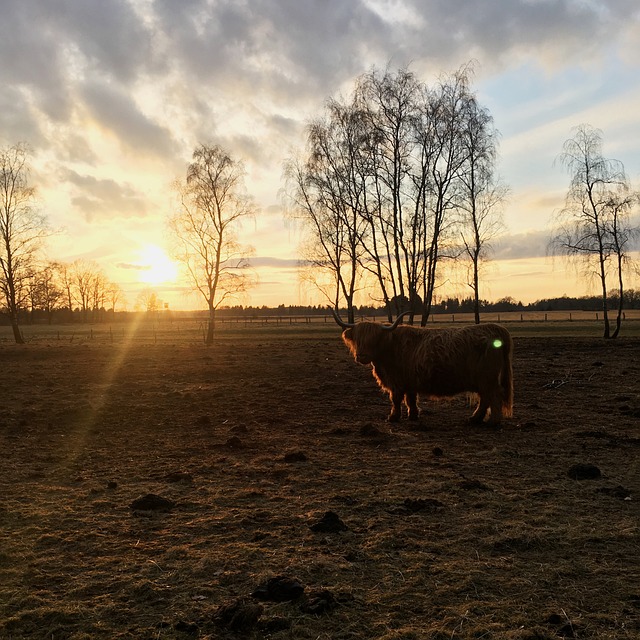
[340, 321]
[398, 320]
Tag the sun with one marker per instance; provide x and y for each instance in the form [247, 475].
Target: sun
[155, 266]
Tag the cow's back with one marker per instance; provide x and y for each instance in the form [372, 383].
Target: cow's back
[452, 360]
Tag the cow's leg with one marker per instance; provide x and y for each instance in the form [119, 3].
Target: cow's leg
[480, 412]
[496, 408]
[411, 400]
[396, 406]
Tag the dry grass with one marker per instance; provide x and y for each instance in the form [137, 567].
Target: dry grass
[453, 531]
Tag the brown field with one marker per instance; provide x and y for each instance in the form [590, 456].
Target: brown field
[450, 531]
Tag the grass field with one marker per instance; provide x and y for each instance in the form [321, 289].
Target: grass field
[184, 329]
[152, 488]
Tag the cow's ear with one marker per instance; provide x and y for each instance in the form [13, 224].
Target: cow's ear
[348, 334]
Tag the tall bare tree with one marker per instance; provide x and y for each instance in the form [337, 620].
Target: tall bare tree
[213, 205]
[385, 174]
[445, 109]
[594, 223]
[390, 101]
[328, 194]
[622, 234]
[22, 231]
[481, 193]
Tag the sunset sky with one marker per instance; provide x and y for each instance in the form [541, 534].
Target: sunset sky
[113, 95]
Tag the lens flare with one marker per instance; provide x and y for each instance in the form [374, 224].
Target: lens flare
[497, 343]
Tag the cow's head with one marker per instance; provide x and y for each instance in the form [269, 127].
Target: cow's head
[364, 338]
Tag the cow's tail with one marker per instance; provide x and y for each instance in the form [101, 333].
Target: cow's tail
[506, 376]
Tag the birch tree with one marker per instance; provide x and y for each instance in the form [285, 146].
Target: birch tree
[22, 232]
[594, 225]
[481, 193]
[328, 194]
[213, 203]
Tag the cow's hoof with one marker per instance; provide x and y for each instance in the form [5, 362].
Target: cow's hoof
[393, 417]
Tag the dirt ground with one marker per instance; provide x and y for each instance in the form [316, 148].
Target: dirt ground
[170, 491]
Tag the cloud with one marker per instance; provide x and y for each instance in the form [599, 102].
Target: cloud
[556, 31]
[132, 266]
[100, 199]
[113, 109]
[278, 263]
[530, 244]
[270, 47]
[17, 122]
[279, 59]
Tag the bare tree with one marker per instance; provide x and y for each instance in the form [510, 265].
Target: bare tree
[22, 231]
[114, 295]
[83, 286]
[148, 301]
[328, 195]
[385, 175]
[45, 292]
[65, 274]
[594, 223]
[213, 204]
[86, 279]
[445, 109]
[99, 288]
[481, 194]
[621, 235]
[391, 103]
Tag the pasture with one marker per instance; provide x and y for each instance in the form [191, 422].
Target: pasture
[154, 488]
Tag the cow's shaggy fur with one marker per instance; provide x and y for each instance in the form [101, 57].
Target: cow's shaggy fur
[438, 363]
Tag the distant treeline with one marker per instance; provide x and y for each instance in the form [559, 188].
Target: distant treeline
[446, 305]
[455, 305]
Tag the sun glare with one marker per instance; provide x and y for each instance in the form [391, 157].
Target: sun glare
[155, 266]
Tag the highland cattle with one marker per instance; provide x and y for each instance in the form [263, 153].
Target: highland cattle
[408, 361]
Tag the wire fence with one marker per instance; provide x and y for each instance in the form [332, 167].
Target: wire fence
[184, 328]
[438, 318]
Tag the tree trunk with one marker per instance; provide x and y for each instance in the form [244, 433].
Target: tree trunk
[476, 287]
[616, 331]
[211, 325]
[351, 316]
[603, 282]
[12, 306]
[605, 315]
[17, 334]
[620, 299]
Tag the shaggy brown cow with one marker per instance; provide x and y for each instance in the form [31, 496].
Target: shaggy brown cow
[437, 363]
